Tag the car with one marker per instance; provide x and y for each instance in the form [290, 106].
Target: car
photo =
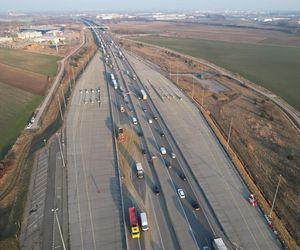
[156, 190]
[80, 91]
[134, 120]
[168, 164]
[140, 134]
[154, 157]
[182, 176]
[143, 151]
[181, 193]
[173, 156]
[144, 109]
[163, 150]
[155, 118]
[205, 248]
[92, 90]
[150, 121]
[162, 134]
[252, 200]
[195, 205]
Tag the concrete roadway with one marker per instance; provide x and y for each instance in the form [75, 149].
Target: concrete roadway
[161, 234]
[95, 219]
[185, 233]
[216, 176]
[202, 231]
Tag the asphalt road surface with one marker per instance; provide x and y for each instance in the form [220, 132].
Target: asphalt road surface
[216, 176]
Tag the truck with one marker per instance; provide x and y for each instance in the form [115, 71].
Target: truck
[120, 135]
[219, 244]
[139, 170]
[115, 84]
[133, 221]
[122, 108]
[144, 222]
[143, 94]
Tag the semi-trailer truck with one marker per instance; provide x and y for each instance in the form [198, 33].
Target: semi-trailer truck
[139, 170]
[133, 221]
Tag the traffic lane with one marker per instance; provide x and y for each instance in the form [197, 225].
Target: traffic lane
[251, 220]
[138, 184]
[196, 220]
[184, 236]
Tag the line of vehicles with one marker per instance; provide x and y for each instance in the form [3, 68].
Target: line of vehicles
[141, 223]
[134, 222]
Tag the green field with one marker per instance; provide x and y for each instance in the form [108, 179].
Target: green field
[277, 68]
[16, 107]
[38, 63]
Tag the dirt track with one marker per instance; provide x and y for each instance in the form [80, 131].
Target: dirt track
[28, 81]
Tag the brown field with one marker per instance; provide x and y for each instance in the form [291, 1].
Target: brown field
[263, 138]
[25, 80]
[208, 32]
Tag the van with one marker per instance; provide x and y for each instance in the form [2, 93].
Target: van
[144, 222]
[134, 120]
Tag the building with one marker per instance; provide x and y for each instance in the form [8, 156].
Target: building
[6, 39]
[28, 35]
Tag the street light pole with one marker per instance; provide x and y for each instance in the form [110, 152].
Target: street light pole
[59, 228]
[275, 196]
[229, 133]
[60, 149]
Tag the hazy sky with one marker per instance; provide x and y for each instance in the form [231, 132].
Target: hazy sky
[146, 5]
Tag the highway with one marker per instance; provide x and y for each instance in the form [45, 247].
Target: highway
[160, 235]
[94, 202]
[223, 189]
[189, 220]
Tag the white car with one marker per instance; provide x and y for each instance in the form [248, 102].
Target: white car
[150, 121]
[173, 155]
[163, 150]
[181, 193]
[134, 120]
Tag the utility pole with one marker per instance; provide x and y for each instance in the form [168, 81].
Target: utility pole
[60, 149]
[275, 196]
[59, 228]
[229, 133]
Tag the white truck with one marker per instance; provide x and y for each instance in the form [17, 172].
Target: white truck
[219, 244]
[139, 170]
[144, 222]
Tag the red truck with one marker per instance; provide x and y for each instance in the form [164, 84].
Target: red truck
[133, 221]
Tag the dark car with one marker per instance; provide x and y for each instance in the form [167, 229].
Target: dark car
[162, 134]
[143, 151]
[156, 190]
[195, 205]
[140, 134]
[168, 164]
[182, 176]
